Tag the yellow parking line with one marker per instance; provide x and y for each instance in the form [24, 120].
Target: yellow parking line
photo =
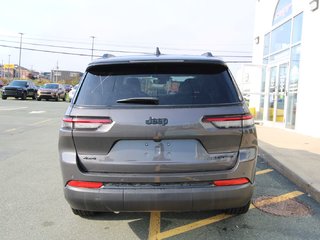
[220, 217]
[154, 228]
[192, 226]
[264, 171]
[277, 199]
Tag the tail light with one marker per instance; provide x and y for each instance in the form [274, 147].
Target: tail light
[231, 182]
[84, 123]
[232, 121]
[84, 184]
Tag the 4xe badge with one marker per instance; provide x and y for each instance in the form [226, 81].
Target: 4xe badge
[157, 121]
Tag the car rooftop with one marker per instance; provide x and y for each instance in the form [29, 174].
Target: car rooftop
[165, 58]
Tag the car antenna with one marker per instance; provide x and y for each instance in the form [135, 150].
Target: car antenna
[107, 55]
[158, 53]
[207, 54]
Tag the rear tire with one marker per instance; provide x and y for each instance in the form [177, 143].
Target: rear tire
[4, 97]
[240, 210]
[38, 99]
[82, 213]
[34, 96]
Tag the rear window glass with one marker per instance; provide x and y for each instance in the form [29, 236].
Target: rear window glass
[168, 84]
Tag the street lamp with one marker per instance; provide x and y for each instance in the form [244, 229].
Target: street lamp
[93, 37]
[20, 55]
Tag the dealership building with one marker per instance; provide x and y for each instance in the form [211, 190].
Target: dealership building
[285, 70]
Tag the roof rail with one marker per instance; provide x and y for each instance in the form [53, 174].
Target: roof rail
[158, 53]
[107, 55]
[207, 54]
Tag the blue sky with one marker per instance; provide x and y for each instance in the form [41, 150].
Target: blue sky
[176, 26]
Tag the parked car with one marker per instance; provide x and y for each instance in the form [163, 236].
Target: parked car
[72, 92]
[67, 87]
[54, 91]
[158, 133]
[19, 89]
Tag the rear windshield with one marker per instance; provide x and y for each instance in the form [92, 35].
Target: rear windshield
[157, 84]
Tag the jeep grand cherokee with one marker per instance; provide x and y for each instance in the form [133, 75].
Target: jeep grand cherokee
[158, 133]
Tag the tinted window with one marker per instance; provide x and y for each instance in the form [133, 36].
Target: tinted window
[172, 84]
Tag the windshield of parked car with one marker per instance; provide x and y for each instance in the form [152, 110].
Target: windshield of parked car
[18, 83]
[51, 86]
[160, 85]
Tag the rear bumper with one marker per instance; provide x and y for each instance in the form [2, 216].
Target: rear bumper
[158, 199]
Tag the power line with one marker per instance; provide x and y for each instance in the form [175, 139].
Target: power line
[75, 48]
[109, 50]
[131, 45]
[48, 51]
[114, 51]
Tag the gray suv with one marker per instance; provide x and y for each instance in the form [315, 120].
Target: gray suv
[158, 133]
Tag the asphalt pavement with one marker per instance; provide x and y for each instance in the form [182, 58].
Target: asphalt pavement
[33, 206]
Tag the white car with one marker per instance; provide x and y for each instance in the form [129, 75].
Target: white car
[72, 92]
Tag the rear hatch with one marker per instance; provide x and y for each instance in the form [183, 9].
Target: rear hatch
[157, 117]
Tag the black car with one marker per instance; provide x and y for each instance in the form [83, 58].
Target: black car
[20, 89]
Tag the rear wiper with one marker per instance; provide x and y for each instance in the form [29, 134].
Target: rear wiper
[140, 100]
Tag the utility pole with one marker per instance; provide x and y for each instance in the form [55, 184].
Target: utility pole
[3, 70]
[9, 68]
[57, 71]
[93, 37]
[20, 55]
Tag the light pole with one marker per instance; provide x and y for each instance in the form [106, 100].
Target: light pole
[20, 55]
[93, 37]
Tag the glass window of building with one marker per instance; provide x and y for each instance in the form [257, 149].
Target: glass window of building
[283, 10]
[281, 61]
[266, 44]
[293, 87]
[280, 37]
[297, 29]
[294, 68]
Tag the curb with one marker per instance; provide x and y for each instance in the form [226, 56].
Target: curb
[291, 175]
